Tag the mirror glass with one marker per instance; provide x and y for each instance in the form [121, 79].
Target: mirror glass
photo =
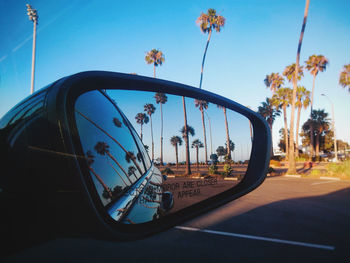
[152, 154]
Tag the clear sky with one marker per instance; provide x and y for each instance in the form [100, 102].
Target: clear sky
[259, 37]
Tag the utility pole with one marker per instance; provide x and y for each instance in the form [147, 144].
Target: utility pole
[33, 16]
[333, 126]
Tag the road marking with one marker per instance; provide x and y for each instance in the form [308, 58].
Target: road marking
[324, 182]
[275, 240]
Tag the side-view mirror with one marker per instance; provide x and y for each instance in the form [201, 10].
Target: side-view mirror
[119, 156]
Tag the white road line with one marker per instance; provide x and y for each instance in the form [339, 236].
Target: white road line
[275, 240]
[324, 182]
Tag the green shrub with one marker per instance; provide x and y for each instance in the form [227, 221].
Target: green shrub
[213, 169]
[339, 169]
[275, 163]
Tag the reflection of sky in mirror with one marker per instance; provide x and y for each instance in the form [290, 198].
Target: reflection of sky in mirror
[132, 102]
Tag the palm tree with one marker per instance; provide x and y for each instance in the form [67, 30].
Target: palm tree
[344, 78]
[274, 81]
[207, 23]
[196, 144]
[303, 101]
[155, 57]
[176, 141]
[315, 64]
[291, 164]
[289, 72]
[203, 105]
[102, 148]
[318, 123]
[149, 109]
[232, 145]
[269, 112]
[161, 99]
[141, 118]
[227, 133]
[185, 131]
[282, 99]
[90, 159]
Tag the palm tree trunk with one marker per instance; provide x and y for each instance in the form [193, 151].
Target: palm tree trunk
[312, 143]
[188, 165]
[297, 133]
[99, 179]
[119, 174]
[197, 158]
[270, 125]
[177, 157]
[150, 117]
[285, 130]
[317, 143]
[161, 134]
[227, 135]
[117, 163]
[154, 70]
[291, 164]
[205, 137]
[205, 53]
[141, 133]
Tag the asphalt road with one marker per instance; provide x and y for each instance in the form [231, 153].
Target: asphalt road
[284, 220]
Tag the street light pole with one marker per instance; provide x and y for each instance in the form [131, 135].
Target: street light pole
[333, 126]
[211, 142]
[33, 16]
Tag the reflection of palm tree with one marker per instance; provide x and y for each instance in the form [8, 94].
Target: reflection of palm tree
[103, 149]
[269, 112]
[131, 171]
[197, 144]
[232, 146]
[161, 99]
[105, 132]
[282, 99]
[175, 141]
[203, 105]
[117, 122]
[207, 23]
[149, 109]
[302, 100]
[156, 58]
[90, 160]
[141, 118]
[185, 131]
[227, 133]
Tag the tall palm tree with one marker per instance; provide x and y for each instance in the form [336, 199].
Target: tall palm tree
[90, 159]
[207, 23]
[141, 118]
[185, 131]
[303, 101]
[227, 132]
[315, 64]
[344, 78]
[291, 164]
[196, 144]
[161, 99]
[176, 141]
[282, 99]
[203, 105]
[155, 57]
[289, 72]
[269, 112]
[274, 81]
[149, 109]
[102, 148]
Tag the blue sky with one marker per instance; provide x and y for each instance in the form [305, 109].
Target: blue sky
[259, 37]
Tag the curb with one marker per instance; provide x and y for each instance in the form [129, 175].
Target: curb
[330, 178]
[292, 175]
[230, 178]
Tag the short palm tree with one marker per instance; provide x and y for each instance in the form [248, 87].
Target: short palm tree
[344, 78]
[302, 101]
[176, 141]
[282, 99]
[155, 57]
[149, 109]
[274, 81]
[269, 112]
[203, 105]
[161, 99]
[227, 132]
[207, 23]
[141, 118]
[196, 144]
[185, 131]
